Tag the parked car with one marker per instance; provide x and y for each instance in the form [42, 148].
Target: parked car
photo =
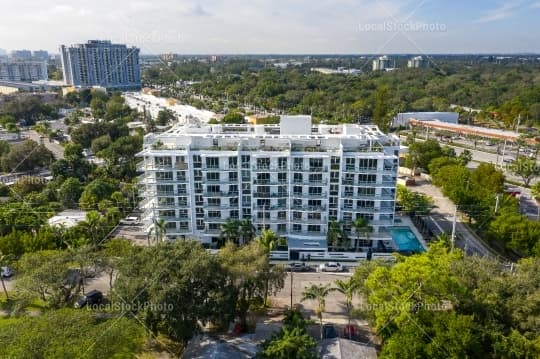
[91, 298]
[297, 267]
[330, 267]
[130, 221]
[6, 272]
[508, 160]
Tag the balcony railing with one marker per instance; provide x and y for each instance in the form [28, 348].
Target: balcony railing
[309, 195]
[270, 182]
[310, 183]
[220, 194]
[270, 194]
[308, 208]
[269, 208]
[219, 168]
[310, 168]
[270, 168]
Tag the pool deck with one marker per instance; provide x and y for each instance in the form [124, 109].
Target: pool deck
[406, 222]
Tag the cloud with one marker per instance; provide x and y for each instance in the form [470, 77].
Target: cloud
[506, 9]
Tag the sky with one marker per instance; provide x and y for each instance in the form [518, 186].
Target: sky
[277, 26]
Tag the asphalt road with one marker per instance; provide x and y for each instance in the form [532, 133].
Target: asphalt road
[57, 150]
[442, 216]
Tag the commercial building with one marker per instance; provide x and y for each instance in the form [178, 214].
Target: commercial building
[41, 55]
[19, 70]
[293, 178]
[381, 63]
[402, 119]
[101, 63]
[21, 55]
[417, 62]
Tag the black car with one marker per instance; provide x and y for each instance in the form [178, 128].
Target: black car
[91, 298]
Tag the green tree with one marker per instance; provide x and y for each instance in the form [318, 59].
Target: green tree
[361, 226]
[5, 260]
[319, 294]
[70, 192]
[229, 231]
[526, 168]
[175, 288]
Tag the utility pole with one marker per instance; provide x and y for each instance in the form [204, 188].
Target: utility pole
[453, 237]
[291, 289]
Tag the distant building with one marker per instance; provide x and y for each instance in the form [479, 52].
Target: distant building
[101, 63]
[41, 55]
[21, 54]
[417, 62]
[19, 70]
[402, 119]
[381, 63]
[339, 70]
[3, 52]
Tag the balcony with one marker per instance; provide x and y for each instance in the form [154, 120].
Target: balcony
[220, 194]
[322, 220]
[215, 219]
[311, 183]
[269, 168]
[270, 195]
[268, 220]
[310, 195]
[270, 182]
[309, 208]
[361, 169]
[310, 169]
[270, 208]
[219, 206]
[360, 209]
[219, 168]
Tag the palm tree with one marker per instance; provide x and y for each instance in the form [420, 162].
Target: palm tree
[334, 234]
[229, 231]
[318, 293]
[247, 230]
[361, 225]
[4, 262]
[268, 240]
[348, 288]
[160, 228]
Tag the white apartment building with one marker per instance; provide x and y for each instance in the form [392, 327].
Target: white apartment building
[18, 70]
[381, 63]
[292, 178]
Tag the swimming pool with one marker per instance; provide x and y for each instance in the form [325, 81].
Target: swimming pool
[405, 240]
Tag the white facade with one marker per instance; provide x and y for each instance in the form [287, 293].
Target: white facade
[195, 178]
[381, 63]
[417, 62]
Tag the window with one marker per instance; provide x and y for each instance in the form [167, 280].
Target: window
[282, 228]
[165, 189]
[297, 190]
[282, 177]
[297, 228]
[298, 163]
[233, 188]
[297, 178]
[234, 214]
[233, 162]
[363, 178]
[348, 203]
[213, 189]
[297, 215]
[245, 176]
[233, 201]
[282, 163]
[182, 189]
[214, 202]
[334, 177]
[183, 201]
[168, 213]
[333, 202]
[183, 213]
[200, 225]
[315, 178]
[367, 163]
[314, 215]
[297, 202]
[184, 226]
[349, 164]
[282, 202]
[282, 215]
[315, 163]
[170, 225]
[263, 214]
[365, 204]
[334, 161]
[212, 176]
[315, 191]
[212, 162]
[165, 201]
[263, 203]
[263, 190]
[314, 228]
[314, 203]
[197, 163]
[245, 161]
[334, 189]
[180, 175]
[365, 191]
[263, 177]
[246, 201]
[198, 200]
[163, 162]
[347, 216]
[164, 176]
[197, 175]
[233, 176]
[214, 214]
[198, 187]
[263, 163]
[348, 190]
